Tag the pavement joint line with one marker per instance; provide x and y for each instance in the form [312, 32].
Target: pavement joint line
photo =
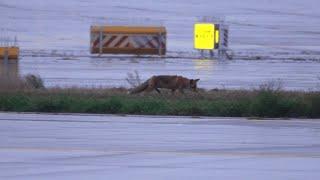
[182, 153]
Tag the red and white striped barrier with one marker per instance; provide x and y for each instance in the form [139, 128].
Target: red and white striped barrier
[128, 40]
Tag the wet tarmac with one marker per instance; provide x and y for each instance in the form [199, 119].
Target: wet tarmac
[270, 41]
[48, 146]
[112, 71]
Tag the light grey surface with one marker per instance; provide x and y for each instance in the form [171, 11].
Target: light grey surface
[112, 72]
[54, 40]
[44, 146]
[271, 25]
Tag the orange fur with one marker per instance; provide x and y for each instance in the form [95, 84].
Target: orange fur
[167, 82]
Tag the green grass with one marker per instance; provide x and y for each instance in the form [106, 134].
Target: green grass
[230, 103]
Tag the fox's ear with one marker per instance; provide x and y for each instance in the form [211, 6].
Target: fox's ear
[196, 80]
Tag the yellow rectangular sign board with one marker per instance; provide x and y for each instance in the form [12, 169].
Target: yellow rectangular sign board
[204, 36]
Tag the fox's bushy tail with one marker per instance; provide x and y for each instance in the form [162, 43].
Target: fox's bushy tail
[139, 88]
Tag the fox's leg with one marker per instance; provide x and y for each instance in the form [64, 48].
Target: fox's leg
[158, 90]
[181, 91]
[149, 89]
[151, 86]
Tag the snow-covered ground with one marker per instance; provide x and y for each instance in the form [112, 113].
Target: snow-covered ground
[57, 32]
[44, 146]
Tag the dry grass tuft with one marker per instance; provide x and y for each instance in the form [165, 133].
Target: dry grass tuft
[28, 82]
[133, 79]
[34, 81]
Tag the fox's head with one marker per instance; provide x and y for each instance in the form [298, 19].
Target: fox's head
[193, 84]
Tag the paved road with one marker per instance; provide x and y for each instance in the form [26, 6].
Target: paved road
[47, 146]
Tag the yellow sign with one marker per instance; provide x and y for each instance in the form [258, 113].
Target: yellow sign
[204, 36]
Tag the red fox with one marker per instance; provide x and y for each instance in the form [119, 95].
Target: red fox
[167, 82]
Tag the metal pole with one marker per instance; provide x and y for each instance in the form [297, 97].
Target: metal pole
[202, 53]
[15, 41]
[211, 54]
[6, 62]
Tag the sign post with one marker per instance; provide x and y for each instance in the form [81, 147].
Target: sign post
[9, 54]
[210, 36]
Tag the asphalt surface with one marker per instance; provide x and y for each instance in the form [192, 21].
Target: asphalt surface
[48, 146]
[112, 72]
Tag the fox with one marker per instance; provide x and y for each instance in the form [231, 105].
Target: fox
[167, 82]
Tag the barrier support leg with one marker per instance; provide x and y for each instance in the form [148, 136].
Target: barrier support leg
[211, 54]
[100, 42]
[202, 53]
